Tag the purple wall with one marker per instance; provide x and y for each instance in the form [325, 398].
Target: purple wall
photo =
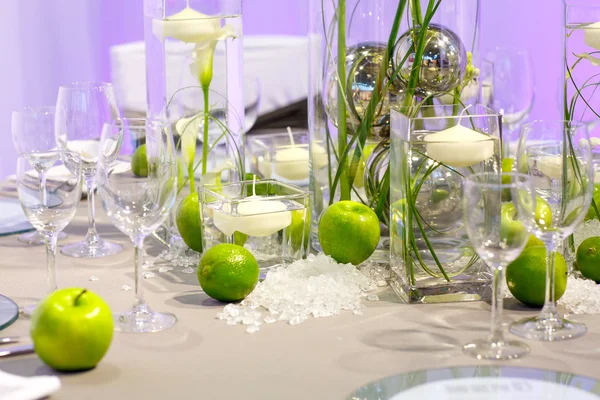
[49, 42]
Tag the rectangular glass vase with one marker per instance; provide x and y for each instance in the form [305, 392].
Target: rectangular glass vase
[432, 150]
[268, 217]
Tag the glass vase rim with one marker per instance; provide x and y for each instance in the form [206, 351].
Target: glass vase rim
[86, 85]
[493, 113]
[543, 122]
[525, 179]
[300, 192]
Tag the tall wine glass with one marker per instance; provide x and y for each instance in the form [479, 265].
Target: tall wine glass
[513, 90]
[498, 237]
[32, 131]
[557, 154]
[49, 202]
[137, 182]
[82, 109]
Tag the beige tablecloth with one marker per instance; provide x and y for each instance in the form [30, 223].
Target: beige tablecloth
[204, 358]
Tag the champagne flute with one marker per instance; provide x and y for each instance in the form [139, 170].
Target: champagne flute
[32, 131]
[557, 154]
[82, 109]
[137, 182]
[49, 202]
[498, 239]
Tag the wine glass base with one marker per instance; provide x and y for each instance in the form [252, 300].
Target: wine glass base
[37, 238]
[547, 330]
[85, 250]
[486, 350]
[143, 320]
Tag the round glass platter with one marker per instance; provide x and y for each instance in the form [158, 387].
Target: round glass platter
[481, 383]
[12, 217]
[9, 312]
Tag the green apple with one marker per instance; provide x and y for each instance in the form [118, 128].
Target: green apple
[72, 329]
[349, 232]
[543, 212]
[188, 222]
[139, 162]
[512, 231]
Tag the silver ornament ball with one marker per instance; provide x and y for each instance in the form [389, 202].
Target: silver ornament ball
[363, 62]
[443, 64]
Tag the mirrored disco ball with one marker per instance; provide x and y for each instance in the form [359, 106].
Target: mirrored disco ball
[363, 62]
[443, 65]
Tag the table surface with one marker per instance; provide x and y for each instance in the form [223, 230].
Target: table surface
[204, 357]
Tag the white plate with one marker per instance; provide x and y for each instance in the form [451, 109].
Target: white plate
[481, 383]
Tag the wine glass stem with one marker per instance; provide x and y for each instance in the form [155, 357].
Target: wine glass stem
[549, 312]
[92, 234]
[51, 261]
[43, 192]
[496, 333]
[139, 262]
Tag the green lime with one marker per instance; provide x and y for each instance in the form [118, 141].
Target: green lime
[349, 232]
[228, 272]
[534, 241]
[526, 276]
[188, 222]
[299, 230]
[591, 214]
[588, 258]
[139, 162]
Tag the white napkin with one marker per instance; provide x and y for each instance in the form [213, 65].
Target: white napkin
[14, 387]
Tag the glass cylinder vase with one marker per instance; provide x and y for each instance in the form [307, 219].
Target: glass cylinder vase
[582, 103]
[432, 150]
[194, 76]
[368, 57]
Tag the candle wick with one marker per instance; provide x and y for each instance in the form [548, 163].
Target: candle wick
[462, 114]
[289, 130]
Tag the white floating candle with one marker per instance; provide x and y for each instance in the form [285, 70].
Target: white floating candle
[552, 167]
[88, 149]
[459, 146]
[257, 216]
[591, 35]
[188, 25]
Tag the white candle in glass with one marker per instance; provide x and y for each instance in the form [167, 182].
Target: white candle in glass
[88, 149]
[256, 216]
[591, 35]
[291, 162]
[459, 146]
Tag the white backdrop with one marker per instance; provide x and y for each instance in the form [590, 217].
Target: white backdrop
[47, 42]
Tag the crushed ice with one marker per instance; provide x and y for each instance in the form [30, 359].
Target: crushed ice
[94, 278]
[126, 288]
[581, 297]
[148, 275]
[317, 287]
